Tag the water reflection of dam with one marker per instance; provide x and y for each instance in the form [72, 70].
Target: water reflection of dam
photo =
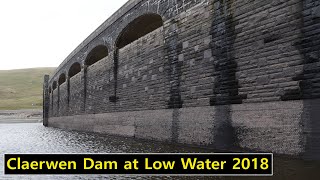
[224, 74]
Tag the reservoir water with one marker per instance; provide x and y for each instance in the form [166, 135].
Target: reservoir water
[35, 138]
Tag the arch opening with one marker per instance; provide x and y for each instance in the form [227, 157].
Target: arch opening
[50, 90]
[74, 69]
[62, 79]
[139, 28]
[96, 54]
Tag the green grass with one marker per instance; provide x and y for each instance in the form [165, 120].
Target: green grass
[22, 88]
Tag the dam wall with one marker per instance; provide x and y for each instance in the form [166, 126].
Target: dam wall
[224, 74]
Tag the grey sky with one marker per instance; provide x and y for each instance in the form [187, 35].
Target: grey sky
[42, 33]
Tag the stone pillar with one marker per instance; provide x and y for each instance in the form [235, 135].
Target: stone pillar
[175, 62]
[84, 78]
[113, 98]
[83, 93]
[51, 103]
[67, 113]
[58, 105]
[226, 87]
[46, 100]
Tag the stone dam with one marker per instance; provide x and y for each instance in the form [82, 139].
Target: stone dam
[223, 74]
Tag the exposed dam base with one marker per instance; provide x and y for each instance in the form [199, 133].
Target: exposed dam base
[224, 74]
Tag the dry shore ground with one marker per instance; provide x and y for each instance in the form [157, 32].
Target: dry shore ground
[20, 116]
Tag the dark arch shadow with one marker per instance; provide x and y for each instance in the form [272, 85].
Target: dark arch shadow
[74, 69]
[62, 79]
[138, 28]
[96, 54]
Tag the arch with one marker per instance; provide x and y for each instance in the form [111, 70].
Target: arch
[138, 28]
[74, 69]
[96, 54]
[62, 79]
[54, 85]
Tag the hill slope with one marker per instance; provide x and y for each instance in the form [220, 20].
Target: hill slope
[22, 88]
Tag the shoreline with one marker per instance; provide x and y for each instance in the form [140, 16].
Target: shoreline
[17, 121]
[20, 116]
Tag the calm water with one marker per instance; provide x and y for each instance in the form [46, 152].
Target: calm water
[34, 138]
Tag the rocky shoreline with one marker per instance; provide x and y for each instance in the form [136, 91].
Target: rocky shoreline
[21, 116]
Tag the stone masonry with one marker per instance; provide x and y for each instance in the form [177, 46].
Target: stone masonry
[226, 74]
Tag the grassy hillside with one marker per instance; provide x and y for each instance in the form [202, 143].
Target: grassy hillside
[22, 89]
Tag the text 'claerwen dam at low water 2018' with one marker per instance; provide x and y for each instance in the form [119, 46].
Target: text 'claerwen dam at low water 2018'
[224, 74]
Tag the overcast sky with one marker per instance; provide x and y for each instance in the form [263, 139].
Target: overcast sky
[42, 33]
